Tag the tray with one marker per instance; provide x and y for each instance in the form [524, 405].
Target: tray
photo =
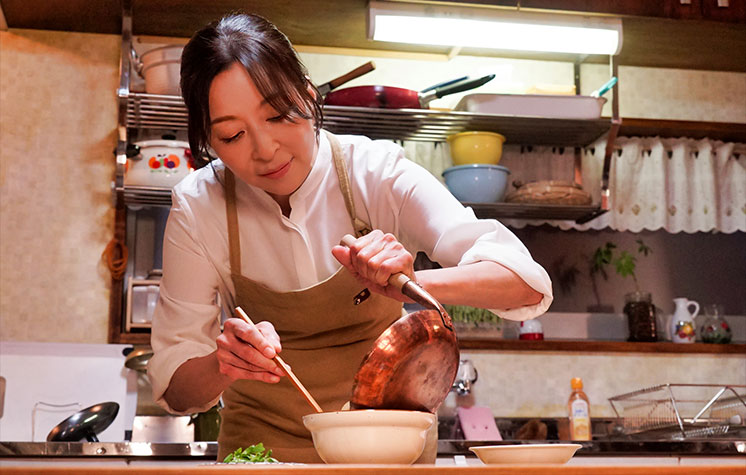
[682, 411]
[534, 105]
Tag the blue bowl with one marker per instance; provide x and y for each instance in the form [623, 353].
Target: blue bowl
[477, 183]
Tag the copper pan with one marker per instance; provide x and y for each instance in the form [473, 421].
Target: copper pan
[413, 363]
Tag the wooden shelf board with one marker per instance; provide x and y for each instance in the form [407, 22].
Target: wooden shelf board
[725, 131]
[599, 346]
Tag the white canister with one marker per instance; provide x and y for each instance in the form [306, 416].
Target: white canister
[160, 163]
[160, 67]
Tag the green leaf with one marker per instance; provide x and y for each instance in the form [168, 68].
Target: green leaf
[643, 248]
[625, 264]
[251, 454]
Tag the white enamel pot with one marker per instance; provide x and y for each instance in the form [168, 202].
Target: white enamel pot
[160, 163]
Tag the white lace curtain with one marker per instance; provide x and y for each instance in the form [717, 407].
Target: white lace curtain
[672, 184]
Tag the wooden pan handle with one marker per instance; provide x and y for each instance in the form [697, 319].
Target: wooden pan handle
[398, 280]
[359, 71]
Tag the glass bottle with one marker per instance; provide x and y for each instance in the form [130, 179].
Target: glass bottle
[715, 329]
[579, 411]
[640, 312]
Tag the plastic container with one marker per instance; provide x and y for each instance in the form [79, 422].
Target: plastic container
[579, 410]
[530, 330]
[477, 183]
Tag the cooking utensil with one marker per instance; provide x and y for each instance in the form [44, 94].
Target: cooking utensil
[369, 436]
[159, 163]
[137, 359]
[605, 88]
[355, 73]
[526, 454]
[286, 369]
[413, 363]
[474, 146]
[477, 182]
[85, 424]
[396, 97]
[533, 105]
[445, 83]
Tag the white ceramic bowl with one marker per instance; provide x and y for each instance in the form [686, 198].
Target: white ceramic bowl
[370, 436]
[526, 454]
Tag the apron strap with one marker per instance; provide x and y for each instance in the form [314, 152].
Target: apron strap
[234, 243]
[361, 227]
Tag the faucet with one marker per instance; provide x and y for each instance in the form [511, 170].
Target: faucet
[465, 377]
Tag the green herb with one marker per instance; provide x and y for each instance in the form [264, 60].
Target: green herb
[462, 313]
[252, 454]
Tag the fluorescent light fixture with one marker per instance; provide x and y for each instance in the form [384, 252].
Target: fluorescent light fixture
[493, 28]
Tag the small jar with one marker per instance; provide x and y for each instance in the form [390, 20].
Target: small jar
[531, 330]
[640, 312]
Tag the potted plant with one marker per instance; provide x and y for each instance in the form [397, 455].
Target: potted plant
[638, 305]
[475, 322]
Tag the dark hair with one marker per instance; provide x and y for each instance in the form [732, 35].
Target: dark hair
[268, 57]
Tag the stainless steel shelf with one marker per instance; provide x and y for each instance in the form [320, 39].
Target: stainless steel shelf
[153, 196]
[149, 111]
[579, 214]
[168, 112]
[434, 125]
[147, 196]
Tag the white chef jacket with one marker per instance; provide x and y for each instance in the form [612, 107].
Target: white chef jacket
[390, 193]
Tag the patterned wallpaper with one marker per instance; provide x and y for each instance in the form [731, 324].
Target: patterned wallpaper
[57, 134]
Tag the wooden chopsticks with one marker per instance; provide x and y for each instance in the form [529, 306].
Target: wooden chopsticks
[285, 368]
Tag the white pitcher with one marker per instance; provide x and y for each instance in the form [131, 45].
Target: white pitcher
[682, 325]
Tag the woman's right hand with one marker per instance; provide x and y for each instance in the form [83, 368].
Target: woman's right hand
[246, 352]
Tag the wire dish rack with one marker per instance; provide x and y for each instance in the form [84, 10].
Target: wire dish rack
[681, 411]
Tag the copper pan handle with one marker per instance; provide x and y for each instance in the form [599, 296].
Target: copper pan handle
[410, 288]
[398, 280]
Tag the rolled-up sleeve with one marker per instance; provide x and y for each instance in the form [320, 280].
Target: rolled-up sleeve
[186, 320]
[431, 219]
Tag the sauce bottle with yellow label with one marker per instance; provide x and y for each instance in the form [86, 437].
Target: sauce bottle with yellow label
[579, 411]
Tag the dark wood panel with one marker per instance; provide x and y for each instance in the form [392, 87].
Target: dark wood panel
[649, 40]
[727, 132]
[598, 346]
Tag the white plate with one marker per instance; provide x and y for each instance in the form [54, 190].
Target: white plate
[526, 454]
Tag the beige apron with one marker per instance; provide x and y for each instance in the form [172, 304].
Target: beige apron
[324, 336]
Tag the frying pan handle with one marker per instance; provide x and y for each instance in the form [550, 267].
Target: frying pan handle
[463, 86]
[398, 280]
[357, 72]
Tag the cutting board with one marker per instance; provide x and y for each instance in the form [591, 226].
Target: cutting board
[478, 423]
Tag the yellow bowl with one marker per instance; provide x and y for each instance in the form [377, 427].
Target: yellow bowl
[370, 436]
[476, 147]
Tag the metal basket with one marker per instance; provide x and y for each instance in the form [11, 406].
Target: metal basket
[681, 411]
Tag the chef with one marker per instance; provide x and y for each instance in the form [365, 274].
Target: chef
[259, 227]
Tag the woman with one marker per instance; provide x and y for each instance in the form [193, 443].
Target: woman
[260, 228]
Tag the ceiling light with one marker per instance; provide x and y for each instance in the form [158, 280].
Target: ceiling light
[493, 28]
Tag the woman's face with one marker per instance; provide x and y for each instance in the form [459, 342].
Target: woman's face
[261, 147]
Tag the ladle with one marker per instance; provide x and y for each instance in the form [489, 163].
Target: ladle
[285, 368]
[413, 363]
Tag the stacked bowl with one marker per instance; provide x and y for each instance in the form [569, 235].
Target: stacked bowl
[476, 176]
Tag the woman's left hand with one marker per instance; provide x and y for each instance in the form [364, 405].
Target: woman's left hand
[373, 258]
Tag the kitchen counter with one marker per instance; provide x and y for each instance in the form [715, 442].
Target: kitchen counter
[318, 469]
[207, 451]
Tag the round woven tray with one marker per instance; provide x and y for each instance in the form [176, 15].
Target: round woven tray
[550, 192]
